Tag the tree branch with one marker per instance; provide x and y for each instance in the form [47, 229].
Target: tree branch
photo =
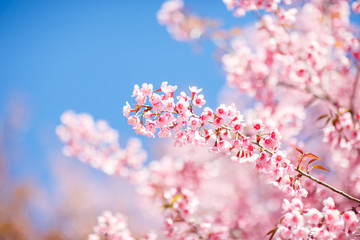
[314, 179]
[325, 97]
[352, 98]
[328, 186]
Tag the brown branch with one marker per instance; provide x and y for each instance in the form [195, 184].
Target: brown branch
[352, 98]
[325, 97]
[313, 178]
[328, 186]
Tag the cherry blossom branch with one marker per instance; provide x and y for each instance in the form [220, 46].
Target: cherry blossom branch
[222, 130]
[328, 186]
[96, 143]
[308, 90]
[302, 173]
[352, 98]
[307, 221]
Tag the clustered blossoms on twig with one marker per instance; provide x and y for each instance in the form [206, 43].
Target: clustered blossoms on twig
[342, 130]
[180, 218]
[206, 197]
[97, 144]
[182, 25]
[300, 222]
[222, 130]
[295, 55]
[114, 227]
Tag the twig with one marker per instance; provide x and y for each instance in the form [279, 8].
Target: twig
[314, 179]
[328, 186]
[308, 90]
[352, 98]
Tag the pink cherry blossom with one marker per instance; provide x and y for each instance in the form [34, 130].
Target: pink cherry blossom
[199, 100]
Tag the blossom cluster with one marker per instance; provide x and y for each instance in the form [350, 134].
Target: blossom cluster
[222, 130]
[287, 119]
[180, 24]
[97, 144]
[302, 59]
[114, 227]
[178, 183]
[242, 6]
[343, 130]
[306, 59]
[301, 222]
[180, 222]
[215, 196]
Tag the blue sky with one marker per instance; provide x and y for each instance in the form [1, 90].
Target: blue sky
[86, 56]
